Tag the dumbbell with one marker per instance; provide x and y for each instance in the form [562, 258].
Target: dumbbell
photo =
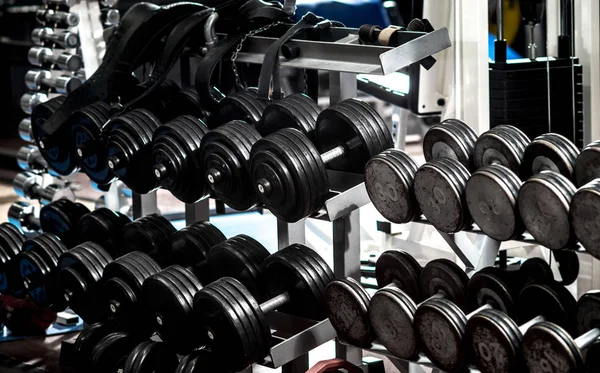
[28, 185]
[88, 338]
[389, 180]
[57, 17]
[502, 145]
[25, 130]
[110, 353]
[289, 171]
[242, 105]
[493, 339]
[492, 196]
[201, 360]
[587, 164]
[67, 3]
[151, 356]
[129, 149]
[186, 101]
[296, 278]
[86, 125]
[549, 347]
[29, 157]
[110, 17]
[11, 241]
[297, 111]
[544, 204]
[38, 79]
[109, 3]
[30, 100]
[42, 56]
[176, 158]
[549, 152]
[583, 214]
[440, 324]
[452, 138]
[24, 216]
[104, 227]
[64, 38]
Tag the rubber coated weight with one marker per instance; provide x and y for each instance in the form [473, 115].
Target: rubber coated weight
[535, 270]
[110, 352]
[440, 191]
[11, 240]
[176, 158]
[587, 165]
[549, 152]
[442, 276]
[61, 218]
[150, 234]
[295, 111]
[401, 269]
[225, 158]
[568, 266]
[450, 139]
[243, 105]
[389, 179]
[544, 202]
[500, 146]
[199, 361]
[85, 343]
[151, 357]
[86, 127]
[347, 305]
[559, 305]
[585, 221]
[491, 194]
[104, 227]
[186, 102]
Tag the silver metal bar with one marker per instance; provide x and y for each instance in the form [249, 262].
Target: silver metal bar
[289, 233]
[523, 328]
[274, 303]
[333, 154]
[587, 338]
[199, 211]
[144, 204]
[500, 19]
[342, 86]
[484, 307]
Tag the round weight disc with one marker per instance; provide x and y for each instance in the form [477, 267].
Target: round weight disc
[151, 357]
[402, 270]
[588, 312]
[199, 361]
[549, 152]
[488, 288]
[587, 165]
[85, 343]
[111, 351]
[535, 270]
[555, 303]
[444, 141]
[442, 276]
[497, 147]
[585, 217]
[548, 347]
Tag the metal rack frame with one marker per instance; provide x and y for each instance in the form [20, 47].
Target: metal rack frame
[344, 58]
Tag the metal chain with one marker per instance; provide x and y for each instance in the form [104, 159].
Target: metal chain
[238, 48]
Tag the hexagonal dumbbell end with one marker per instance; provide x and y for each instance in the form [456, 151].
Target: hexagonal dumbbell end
[30, 158]
[38, 79]
[64, 38]
[40, 56]
[56, 16]
[30, 100]
[25, 130]
[24, 216]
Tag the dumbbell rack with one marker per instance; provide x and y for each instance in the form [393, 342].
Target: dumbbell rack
[343, 57]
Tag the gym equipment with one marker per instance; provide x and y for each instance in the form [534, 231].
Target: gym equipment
[491, 194]
[389, 179]
[401, 269]
[234, 321]
[176, 158]
[583, 217]
[111, 352]
[11, 241]
[440, 325]
[503, 145]
[104, 227]
[85, 343]
[45, 57]
[225, 157]
[23, 215]
[493, 339]
[64, 38]
[242, 105]
[151, 356]
[57, 17]
[129, 149]
[30, 100]
[289, 171]
[587, 165]
[61, 218]
[27, 184]
[110, 17]
[549, 346]
[544, 201]
[25, 130]
[294, 111]
[439, 188]
[535, 270]
[198, 361]
[30, 158]
[549, 152]
[37, 263]
[36, 80]
[451, 138]
[150, 234]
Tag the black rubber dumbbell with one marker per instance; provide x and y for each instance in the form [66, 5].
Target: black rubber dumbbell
[201, 360]
[87, 339]
[584, 217]
[289, 171]
[11, 242]
[493, 339]
[549, 152]
[453, 139]
[548, 346]
[586, 164]
[502, 145]
[296, 278]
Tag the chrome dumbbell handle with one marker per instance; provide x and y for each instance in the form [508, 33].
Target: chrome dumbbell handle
[64, 38]
[29, 157]
[25, 130]
[110, 17]
[23, 215]
[28, 185]
[40, 56]
[56, 16]
[36, 79]
[31, 100]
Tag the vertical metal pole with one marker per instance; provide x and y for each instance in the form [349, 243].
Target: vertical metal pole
[144, 204]
[346, 263]
[111, 197]
[289, 233]
[298, 365]
[199, 211]
[341, 86]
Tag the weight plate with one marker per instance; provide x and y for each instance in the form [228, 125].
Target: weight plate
[489, 288]
[17, 238]
[497, 147]
[358, 117]
[587, 165]
[592, 357]
[553, 302]
[347, 304]
[315, 282]
[491, 195]
[104, 227]
[284, 113]
[85, 343]
[401, 269]
[585, 217]
[544, 208]
[381, 128]
[535, 270]
[442, 276]
[588, 312]
[111, 351]
[549, 152]
[494, 342]
[444, 141]
[568, 266]
[322, 269]
[440, 327]
[151, 357]
[390, 185]
[239, 106]
[548, 346]
[391, 313]
[199, 361]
